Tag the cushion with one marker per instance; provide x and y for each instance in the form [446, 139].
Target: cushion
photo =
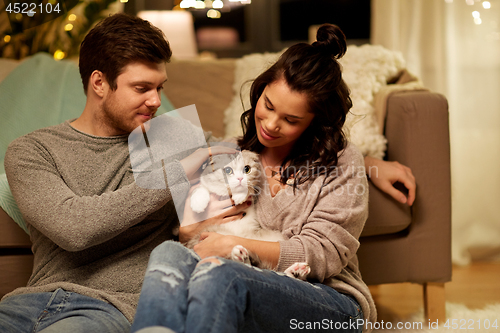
[205, 83]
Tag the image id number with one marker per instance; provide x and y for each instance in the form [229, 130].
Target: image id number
[31, 9]
[471, 324]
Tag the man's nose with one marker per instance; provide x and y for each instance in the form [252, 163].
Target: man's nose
[154, 99]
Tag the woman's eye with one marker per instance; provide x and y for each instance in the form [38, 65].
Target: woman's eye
[228, 170]
[247, 169]
[289, 121]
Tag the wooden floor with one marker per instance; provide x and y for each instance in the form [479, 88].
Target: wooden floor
[475, 286]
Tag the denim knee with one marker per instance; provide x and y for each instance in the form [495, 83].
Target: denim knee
[219, 271]
[172, 250]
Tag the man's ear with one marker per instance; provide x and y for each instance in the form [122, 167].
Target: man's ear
[98, 83]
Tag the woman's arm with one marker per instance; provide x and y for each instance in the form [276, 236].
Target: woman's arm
[384, 174]
[323, 225]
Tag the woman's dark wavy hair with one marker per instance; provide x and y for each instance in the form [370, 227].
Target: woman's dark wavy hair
[311, 69]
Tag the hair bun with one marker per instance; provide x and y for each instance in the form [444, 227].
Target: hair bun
[331, 39]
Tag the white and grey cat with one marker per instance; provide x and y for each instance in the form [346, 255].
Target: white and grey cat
[241, 177]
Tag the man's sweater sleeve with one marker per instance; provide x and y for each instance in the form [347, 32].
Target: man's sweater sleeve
[77, 222]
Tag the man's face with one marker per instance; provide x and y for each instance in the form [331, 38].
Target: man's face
[136, 98]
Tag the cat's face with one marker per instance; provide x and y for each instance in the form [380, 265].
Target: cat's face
[242, 174]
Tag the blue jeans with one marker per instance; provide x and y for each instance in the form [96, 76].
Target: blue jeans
[60, 311]
[184, 294]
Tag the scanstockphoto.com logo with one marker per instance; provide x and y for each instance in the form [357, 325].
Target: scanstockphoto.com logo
[26, 14]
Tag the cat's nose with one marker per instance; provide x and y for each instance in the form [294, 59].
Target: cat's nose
[240, 179]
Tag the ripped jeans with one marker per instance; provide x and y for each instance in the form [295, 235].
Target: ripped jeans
[184, 294]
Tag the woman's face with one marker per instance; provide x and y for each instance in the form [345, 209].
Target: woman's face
[281, 115]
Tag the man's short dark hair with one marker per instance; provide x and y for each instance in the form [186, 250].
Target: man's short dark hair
[117, 41]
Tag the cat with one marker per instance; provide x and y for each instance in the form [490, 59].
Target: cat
[241, 177]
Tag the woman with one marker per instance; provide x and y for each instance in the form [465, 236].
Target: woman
[318, 198]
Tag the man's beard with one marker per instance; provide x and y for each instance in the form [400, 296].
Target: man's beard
[110, 117]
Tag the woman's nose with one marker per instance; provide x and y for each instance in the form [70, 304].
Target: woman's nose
[272, 123]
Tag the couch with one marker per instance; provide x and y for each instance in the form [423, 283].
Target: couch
[399, 243]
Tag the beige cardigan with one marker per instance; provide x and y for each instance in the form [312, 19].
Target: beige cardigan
[322, 222]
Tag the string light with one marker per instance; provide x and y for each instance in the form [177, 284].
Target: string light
[6, 38]
[213, 13]
[486, 4]
[199, 5]
[72, 17]
[188, 3]
[68, 27]
[59, 55]
[217, 4]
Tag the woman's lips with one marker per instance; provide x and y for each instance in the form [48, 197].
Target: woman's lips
[267, 136]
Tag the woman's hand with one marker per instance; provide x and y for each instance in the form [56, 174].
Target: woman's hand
[214, 244]
[192, 164]
[384, 174]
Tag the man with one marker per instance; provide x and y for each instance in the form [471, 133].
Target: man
[92, 227]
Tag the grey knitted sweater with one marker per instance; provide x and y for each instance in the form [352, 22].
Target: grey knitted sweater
[91, 226]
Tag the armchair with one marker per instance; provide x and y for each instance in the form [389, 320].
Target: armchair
[413, 244]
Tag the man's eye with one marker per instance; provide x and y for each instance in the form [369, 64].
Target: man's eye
[141, 89]
[228, 170]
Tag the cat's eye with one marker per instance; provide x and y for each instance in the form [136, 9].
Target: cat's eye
[247, 169]
[228, 170]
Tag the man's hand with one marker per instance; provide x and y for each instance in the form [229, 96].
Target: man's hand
[384, 174]
[192, 164]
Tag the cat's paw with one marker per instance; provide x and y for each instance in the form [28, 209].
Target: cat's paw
[240, 253]
[240, 197]
[199, 200]
[299, 270]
